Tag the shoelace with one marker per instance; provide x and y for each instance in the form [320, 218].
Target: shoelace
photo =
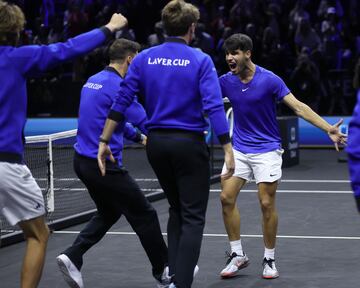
[230, 256]
[268, 262]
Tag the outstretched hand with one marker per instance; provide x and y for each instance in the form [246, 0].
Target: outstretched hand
[336, 136]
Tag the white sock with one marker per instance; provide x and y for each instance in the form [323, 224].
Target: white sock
[269, 253]
[236, 247]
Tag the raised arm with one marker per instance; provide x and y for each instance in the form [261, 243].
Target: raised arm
[33, 59]
[304, 111]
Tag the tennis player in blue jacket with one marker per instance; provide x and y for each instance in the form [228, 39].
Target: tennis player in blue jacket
[353, 147]
[116, 193]
[21, 200]
[179, 85]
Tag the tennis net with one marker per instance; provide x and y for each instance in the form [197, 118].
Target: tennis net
[50, 158]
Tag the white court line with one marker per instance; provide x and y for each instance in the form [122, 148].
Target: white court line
[294, 191]
[8, 231]
[146, 179]
[225, 235]
[156, 180]
[278, 191]
[282, 180]
[58, 179]
[76, 179]
[313, 181]
[155, 191]
[65, 189]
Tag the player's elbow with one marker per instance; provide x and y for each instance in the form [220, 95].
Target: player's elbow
[298, 112]
[301, 110]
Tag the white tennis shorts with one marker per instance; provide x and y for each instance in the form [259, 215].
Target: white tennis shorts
[263, 167]
[20, 196]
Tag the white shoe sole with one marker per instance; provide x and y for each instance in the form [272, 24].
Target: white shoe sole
[233, 274]
[196, 270]
[66, 273]
[270, 277]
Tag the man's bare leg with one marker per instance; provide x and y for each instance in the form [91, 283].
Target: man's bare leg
[36, 233]
[266, 194]
[231, 216]
[230, 211]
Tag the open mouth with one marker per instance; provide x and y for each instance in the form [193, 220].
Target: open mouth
[232, 65]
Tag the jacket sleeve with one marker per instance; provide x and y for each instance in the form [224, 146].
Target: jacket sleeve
[136, 115]
[212, 100]
[131, 133]
[128, 90]
[33, 59]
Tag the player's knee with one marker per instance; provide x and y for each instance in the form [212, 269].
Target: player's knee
[110, 218]
[39, 233]
[151, 212]
[267, 206]
[148, 218]
[43, 234]
[227, 201]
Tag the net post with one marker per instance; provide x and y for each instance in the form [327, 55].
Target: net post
[50, 199]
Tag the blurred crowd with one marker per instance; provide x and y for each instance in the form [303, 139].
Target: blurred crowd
[312, 44]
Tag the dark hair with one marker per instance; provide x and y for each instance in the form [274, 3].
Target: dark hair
[12, 22]
[121, 48]
[177, 16]
[238, 41]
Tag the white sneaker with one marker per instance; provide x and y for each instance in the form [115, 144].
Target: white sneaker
[234, 264]
[269, 269]
[196, 270]
[165, 279]
[71, 274]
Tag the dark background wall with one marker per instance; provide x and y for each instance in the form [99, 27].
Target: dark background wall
[312, 44]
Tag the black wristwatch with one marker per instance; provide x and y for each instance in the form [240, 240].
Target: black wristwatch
[102, 140]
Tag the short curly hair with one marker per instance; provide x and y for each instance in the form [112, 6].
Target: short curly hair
[12, 21]
[177, 16]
